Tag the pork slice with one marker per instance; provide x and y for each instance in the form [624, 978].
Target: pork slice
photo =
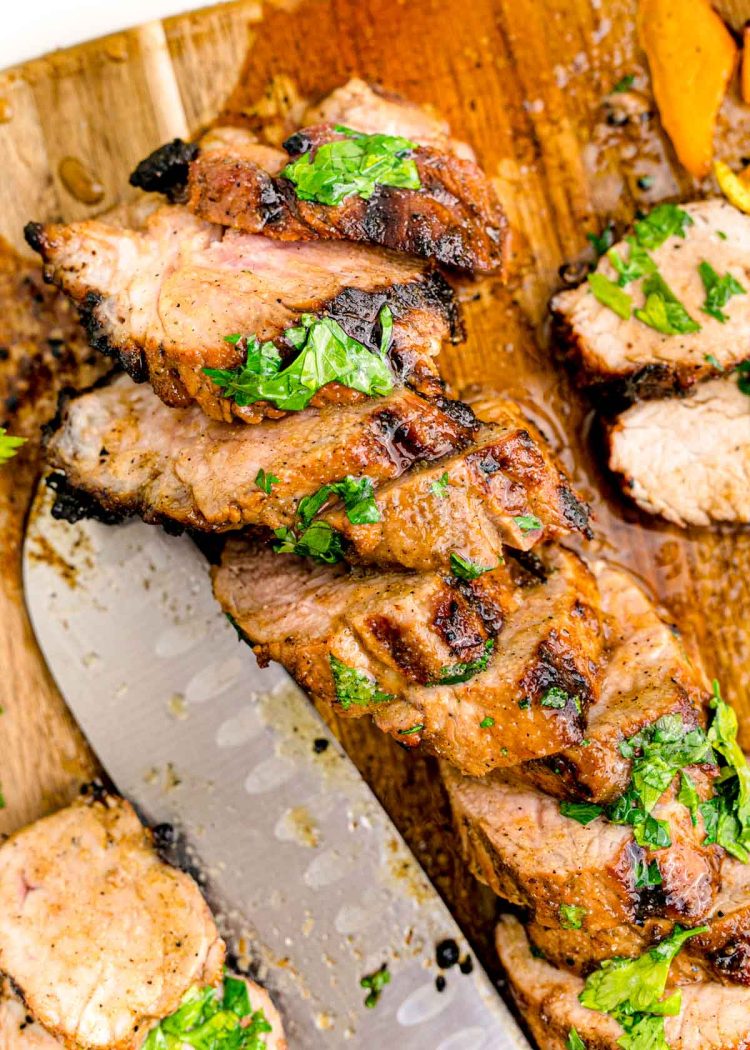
[713, 1016]
[722, 954]
[99, 935]
[687, 459]
[648, 675]
[19, 1031]
[162, 300]
[402, 631]
[630, 358]
[123, 447]
[504, 488]
[517, 841]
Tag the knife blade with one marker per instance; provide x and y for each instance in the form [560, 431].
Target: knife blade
[311, 883]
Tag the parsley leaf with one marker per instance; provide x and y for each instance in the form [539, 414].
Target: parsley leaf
[462, 672]
[624, 84]
[574, 1041]
[663, 221]
[712, 359]
[583, 812]
[9, 445]
[376, 982]
[603, 240]
[662, 310]
[631, 991]
[743, 377]
[319, 541]
[266, 481]
[557, 698]
[610, 294]
[412, 729]
[688, 796]
[355, 687]
[206, 1022]
[355, 164]
[727, 814]
[487, 722]
[357, 495]
[528, 523]
[465, 569]
[572, 916]
[646, 875]
[638, 264]
[719, 290]
[326, 355]
[439, 488]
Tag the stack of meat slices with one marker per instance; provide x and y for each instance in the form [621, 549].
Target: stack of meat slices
[682, 449]
[401, 558]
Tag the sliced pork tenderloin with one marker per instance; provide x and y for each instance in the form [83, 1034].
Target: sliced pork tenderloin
[485, 673]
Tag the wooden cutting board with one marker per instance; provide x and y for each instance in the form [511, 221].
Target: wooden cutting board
[527, 82]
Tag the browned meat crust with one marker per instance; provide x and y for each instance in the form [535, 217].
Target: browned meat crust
[123, 447]
[162, 300]
[454, 218]
[391, 628]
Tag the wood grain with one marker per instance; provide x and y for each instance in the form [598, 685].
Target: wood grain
[527, 83]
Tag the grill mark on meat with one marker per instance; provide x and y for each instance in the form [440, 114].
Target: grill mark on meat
[166, 169]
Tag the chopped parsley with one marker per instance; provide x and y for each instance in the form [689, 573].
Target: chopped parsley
[604, 240]
[662, 310]
[266, 481]
[631, 990]
[375, 982]
[528, 523]
[624, 84]
[326, 355]
[610, 294]
[318, 539]
[574, 1041]
[646, 875]
[9, 445]
[462, 672]
[719, 290]
[572, 916]
[688, 796]
[743, 376]
[727, 815]
[583, 812]
[355, 687]
[524, 704]
[487, 722]
[638, 264]
[557, 698]
[413, 729]
[712, 359]
[662, 222]
[439, 488]
[208, 1020]
[465, 569]
[354, 164]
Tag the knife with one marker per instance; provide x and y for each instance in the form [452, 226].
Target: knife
[312, 885]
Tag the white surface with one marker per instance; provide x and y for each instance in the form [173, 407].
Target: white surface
[33, 27]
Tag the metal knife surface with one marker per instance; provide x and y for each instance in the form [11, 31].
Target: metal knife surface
[312, 885]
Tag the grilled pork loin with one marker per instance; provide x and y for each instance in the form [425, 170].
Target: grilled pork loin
[629, 357]
[73, 889]
[120, 445]
[516, 840]
[648, 675]
[722, 954]
[164, 299]
[687, 459]
[485, 673]
[18, 1031]
[713, 1016]
[453, 217]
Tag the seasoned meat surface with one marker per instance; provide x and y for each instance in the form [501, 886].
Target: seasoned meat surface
[687, 459]
[503, 488]
[713, 1017]
[634, 359]
[122, 446]
[100, 936]
[648, 675]
[18, 1031]
[404, 632]
[454, 217]
[162, 300]
[517, 841]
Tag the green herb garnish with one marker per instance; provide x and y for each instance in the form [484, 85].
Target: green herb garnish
[265, 481]
[719, 290]
[355, 687]
[743, 377]
[662, 310]
[574, 1041]
[712, 359]
[572, 916]
[610, 294]
[638, 263]
[356, 164]
[465, 569]
[604, 240]
[326, 355]
[9, 445]
[662, 222]
[624, 84]
[528, 523]
[207, 1022]
[439, 488]
[487, 722]
[583, 812]
[357, 495]
[557, 698]
[631, 991]
[376, 982]
[727, 815]
[646, 875]
[462, 672]
[413, 729]
[319, 541]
